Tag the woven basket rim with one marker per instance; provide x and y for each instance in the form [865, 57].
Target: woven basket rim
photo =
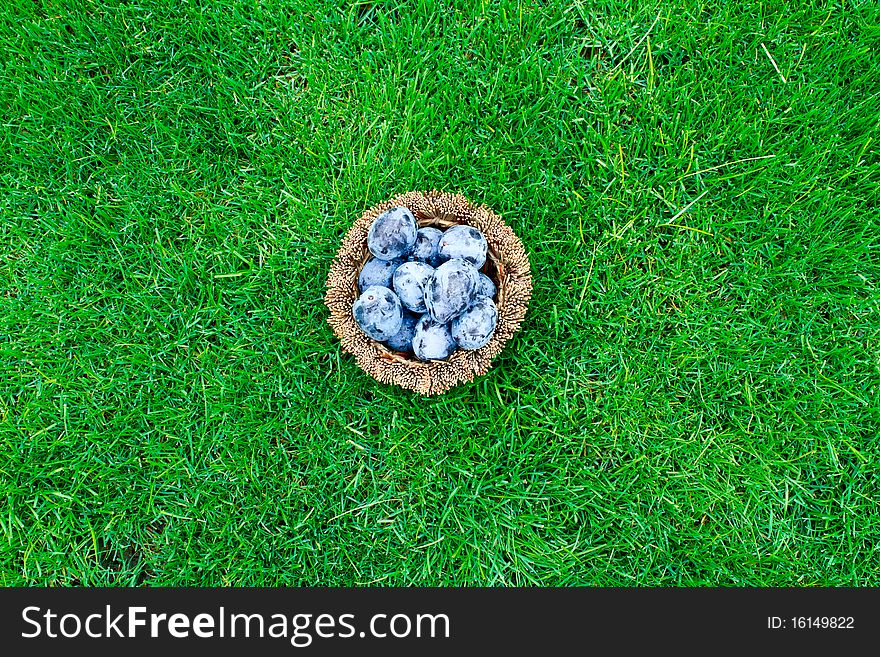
[507, 265]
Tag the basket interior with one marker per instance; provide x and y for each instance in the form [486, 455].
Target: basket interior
[491, 268]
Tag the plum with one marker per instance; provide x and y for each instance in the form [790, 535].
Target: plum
[377, 272]
[393, 234]
[378, 312]
[432, 340]
[451, 290]
[427, 243]
[410, 280]
[464, 242]
[474, 327]
[402, 340]
[487, 287]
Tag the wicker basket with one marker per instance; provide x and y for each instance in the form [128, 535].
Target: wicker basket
[507, 264]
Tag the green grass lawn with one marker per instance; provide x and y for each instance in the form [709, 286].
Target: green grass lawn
[692, 399]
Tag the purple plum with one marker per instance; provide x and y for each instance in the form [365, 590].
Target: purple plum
[377, 272]
[432, 340]
[410, 280]
[427, 243]
[393, 234]
[464, 242]
[402, 340]
[378, 312]
[451, 290]
[487, 287]
[474, 327]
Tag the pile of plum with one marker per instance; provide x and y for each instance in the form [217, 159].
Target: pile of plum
[422, 290]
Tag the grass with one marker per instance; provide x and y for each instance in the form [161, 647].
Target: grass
[692, 400]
